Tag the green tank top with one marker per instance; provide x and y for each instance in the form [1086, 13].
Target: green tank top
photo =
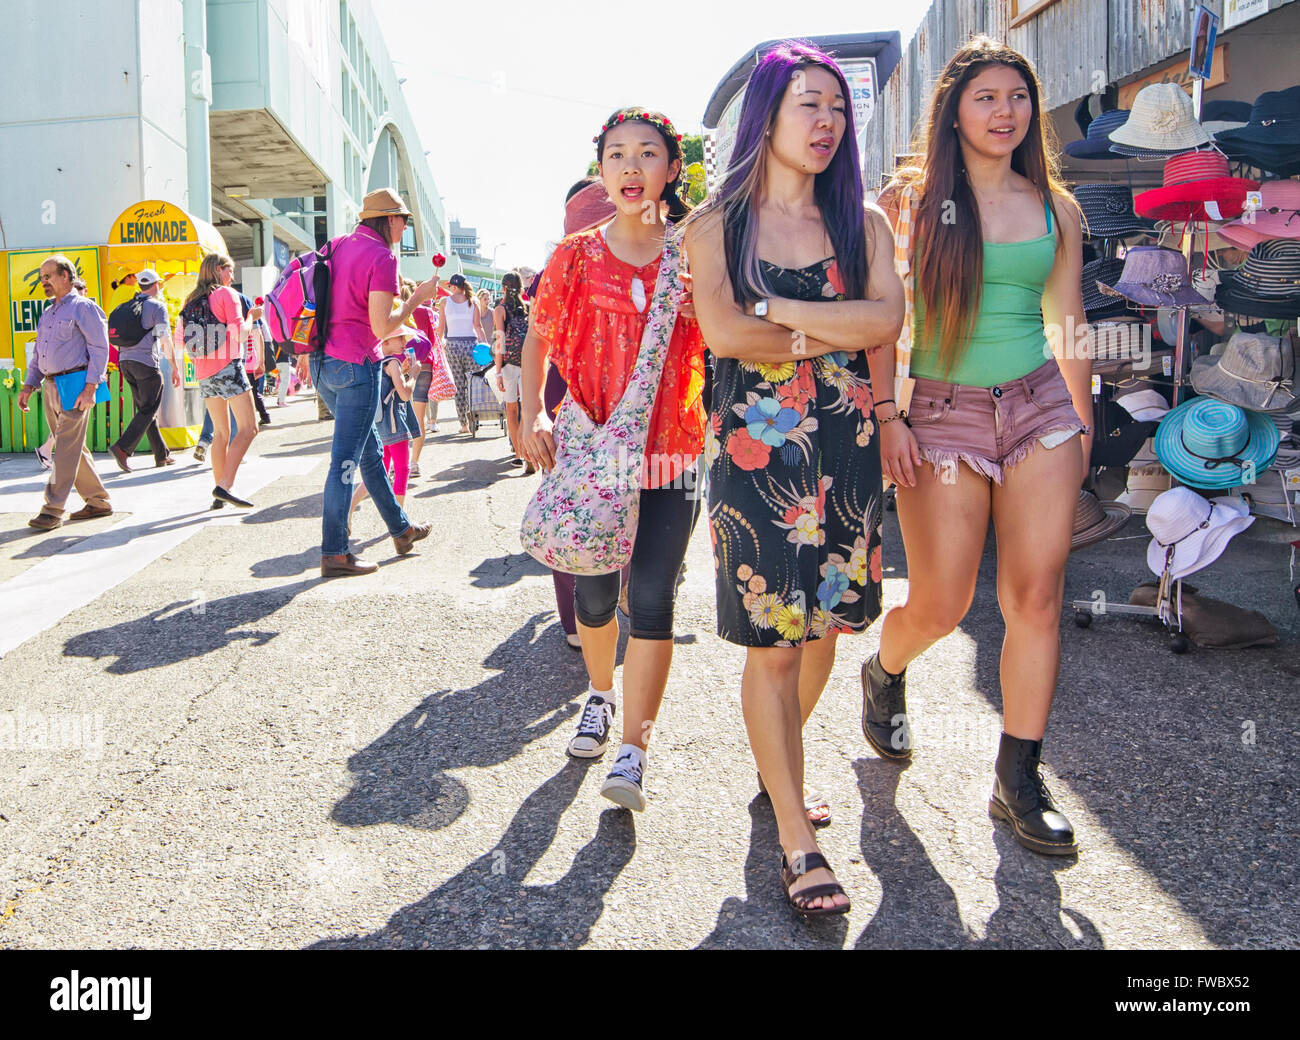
[1007, 341]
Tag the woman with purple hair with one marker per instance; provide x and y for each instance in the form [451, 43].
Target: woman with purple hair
[796, 294]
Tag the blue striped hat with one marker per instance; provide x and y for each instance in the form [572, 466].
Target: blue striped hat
[1211, 444]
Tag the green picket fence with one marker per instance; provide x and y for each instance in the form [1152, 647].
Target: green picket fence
[26, 431]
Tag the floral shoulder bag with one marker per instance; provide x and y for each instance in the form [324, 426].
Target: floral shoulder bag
[583, 517]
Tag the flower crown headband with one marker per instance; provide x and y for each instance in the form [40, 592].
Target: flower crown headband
[662, 123]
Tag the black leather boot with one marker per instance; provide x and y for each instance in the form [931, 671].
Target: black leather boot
[1022, 799]
[884, 711]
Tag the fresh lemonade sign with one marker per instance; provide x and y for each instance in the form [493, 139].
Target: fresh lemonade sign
[27, 300]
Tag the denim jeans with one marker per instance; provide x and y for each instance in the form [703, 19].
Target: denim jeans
[352, 393]
[207, 433]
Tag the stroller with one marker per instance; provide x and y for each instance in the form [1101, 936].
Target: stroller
[485, 401]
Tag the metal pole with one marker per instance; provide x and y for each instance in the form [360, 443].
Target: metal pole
[1188, 242]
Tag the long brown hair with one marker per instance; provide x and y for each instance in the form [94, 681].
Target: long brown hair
[948, 252]
[209, 276]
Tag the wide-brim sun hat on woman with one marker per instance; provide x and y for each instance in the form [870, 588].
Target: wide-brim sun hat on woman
[1154, 277]
[383, 202]
[1095, 521]
[1253, 371]
[1162, 122]
[1096, 145]
[1214, 445]
[1197, 186]
[1189, 532]
[1267, 285]
[1108, 211]
[1277, 216]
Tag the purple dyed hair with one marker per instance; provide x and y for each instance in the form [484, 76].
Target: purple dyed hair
[838, 189]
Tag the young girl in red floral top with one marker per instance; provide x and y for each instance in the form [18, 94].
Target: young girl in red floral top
[588, 320]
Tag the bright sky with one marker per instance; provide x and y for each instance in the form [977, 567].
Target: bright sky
[507, 96]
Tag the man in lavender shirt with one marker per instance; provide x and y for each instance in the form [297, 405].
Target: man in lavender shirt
[72, 335]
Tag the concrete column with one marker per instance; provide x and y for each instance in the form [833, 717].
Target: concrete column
[263, 243]
[198, 96]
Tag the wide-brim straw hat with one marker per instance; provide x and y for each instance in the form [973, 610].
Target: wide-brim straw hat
[1253, 371]
[1095, 521]
[1146, 482]
[1214, 445]
[1162, 120]
[383, 202]
[1189, 532]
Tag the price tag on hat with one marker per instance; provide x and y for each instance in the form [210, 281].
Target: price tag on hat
[1254, 200]
[1167, 365]
[1096, 386]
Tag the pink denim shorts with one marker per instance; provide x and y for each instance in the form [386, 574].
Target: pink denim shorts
[991, 428]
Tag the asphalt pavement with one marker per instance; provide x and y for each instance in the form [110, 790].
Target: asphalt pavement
[204, 744]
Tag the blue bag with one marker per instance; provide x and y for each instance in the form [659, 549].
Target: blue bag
[70, 385]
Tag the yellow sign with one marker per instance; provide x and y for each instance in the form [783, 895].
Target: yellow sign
[27, 300]
[1177, 73]
[154, 231]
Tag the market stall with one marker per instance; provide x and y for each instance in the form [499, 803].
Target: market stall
[164, 237]
[1192, 290]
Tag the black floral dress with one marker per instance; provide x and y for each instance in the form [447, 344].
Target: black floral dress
[795, 488]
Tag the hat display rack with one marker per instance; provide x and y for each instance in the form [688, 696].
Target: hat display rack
[1208, 432]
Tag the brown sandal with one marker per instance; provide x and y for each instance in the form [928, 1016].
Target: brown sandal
[800, 900]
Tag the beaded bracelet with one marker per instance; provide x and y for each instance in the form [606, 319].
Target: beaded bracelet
[896, 415]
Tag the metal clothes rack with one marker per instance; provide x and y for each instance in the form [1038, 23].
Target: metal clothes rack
[1168, 608]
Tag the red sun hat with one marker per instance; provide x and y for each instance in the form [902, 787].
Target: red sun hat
[1197, 187]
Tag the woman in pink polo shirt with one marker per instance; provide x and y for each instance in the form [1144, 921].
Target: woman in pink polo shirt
[363, 288]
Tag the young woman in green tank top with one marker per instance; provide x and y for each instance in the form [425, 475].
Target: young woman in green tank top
[1000, 396]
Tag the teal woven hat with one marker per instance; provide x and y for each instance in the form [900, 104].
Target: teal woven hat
[1213, 445]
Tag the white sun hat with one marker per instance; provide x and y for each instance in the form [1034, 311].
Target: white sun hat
[1190, 532]
[1144, 405]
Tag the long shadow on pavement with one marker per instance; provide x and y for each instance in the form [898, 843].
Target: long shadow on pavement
[184, 630]
[496, 572]
[918, 908]
[488, 904]
[76, 541]
[1152, 743]
[402, 777]
[471, 475]
[765, 919]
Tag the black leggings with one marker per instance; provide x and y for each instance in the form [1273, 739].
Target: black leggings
[662, 534]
